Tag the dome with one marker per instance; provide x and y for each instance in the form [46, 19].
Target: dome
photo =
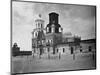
[39, 18]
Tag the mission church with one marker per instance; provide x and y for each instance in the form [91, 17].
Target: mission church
[51, 39]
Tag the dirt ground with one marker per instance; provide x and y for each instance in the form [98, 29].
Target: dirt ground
[78, 61]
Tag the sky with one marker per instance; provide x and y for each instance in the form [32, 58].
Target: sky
[77, 19]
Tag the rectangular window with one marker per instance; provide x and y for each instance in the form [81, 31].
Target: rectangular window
[41, 25]
[63, 50]
[57, 50]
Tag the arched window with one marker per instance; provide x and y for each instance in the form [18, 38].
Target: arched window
[38, 25]
[60, 29]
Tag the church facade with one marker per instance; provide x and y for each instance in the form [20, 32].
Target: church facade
[50, 39]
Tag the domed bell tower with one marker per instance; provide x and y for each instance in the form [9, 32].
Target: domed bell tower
[38, 36]
[53, 31]
[53, 25]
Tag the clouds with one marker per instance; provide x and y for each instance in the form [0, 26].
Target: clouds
[77, 19]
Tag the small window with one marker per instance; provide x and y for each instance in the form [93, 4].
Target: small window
[51, 41]
[63, 50]
[41, 25]
[48, 41]
[36, 34]
[38, 25]
[38, 42]
[57, 50]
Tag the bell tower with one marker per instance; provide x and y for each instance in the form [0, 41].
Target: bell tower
[38, 36]
[53, 18]
[39, 23]
[53, 25]
[53, 31]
